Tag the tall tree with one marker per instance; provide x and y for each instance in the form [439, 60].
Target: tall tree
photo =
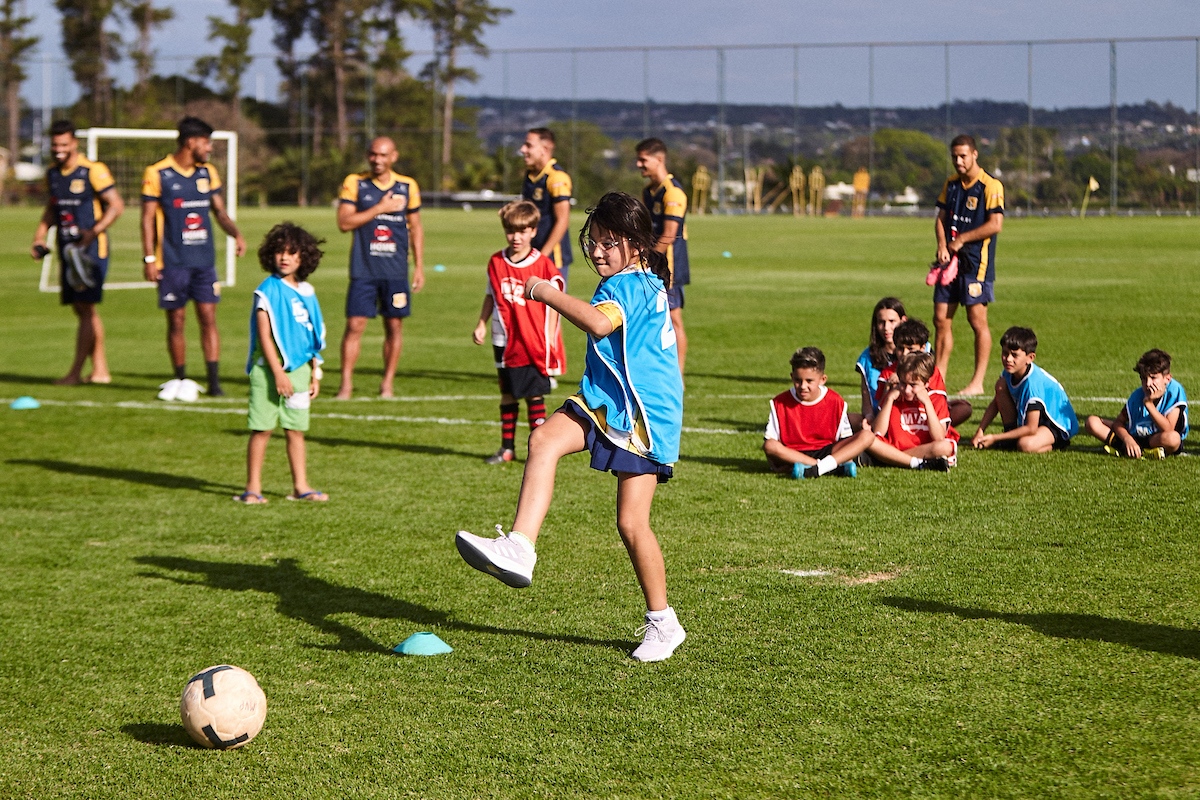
[145, 17]
[231, 63]
[14, 49]
[90, 50]
[457, 25]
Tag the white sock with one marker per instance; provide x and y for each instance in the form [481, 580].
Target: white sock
[915, 463]
[522, 540]
[826, 465]
[661, 616]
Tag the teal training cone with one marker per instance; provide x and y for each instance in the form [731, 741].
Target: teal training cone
[422, 644]
[24, 403]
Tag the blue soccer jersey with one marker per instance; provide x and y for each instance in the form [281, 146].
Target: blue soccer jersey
[967, 207]
[75, 195]
[297, 327]
[380, 248]
[668, 202]
[1141, 425]
[631, 383]
[545, 190]
[1038, 389]
[184, 197]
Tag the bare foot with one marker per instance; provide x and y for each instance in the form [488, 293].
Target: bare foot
[68, 380]
[344, 393]
[972, 390]
[386, 392]
[94, 378]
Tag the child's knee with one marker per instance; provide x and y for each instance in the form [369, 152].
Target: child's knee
[1171, 440]
[1040, 442]
[943, 448]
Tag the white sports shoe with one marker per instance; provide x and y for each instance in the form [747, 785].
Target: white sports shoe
[170, 390]
[660, 639]
[504, 557]
[189, 391]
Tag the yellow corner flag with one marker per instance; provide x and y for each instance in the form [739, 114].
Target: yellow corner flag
[1093, 184]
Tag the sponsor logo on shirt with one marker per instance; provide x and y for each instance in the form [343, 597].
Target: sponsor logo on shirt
[194, 231]
[382, 243]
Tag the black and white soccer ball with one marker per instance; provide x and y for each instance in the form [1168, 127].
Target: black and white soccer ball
[223, 707]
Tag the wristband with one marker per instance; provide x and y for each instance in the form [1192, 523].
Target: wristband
[149, 259]
[318, 373]
[532, 288]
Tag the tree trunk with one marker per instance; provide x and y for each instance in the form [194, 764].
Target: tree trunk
[338, 57]
[448, 122]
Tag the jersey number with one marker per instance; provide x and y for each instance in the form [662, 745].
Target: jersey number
[668, 333]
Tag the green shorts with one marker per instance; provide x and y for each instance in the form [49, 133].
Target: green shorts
[268, 408]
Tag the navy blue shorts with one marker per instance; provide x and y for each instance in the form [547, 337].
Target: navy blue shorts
[68, 296]
[178, 285]
[607, 457]
[675, 297]
[965, 290]
[367, 297]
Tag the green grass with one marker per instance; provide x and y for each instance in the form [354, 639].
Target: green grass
[1023, 627]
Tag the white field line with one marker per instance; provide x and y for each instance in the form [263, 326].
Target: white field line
[197, 408]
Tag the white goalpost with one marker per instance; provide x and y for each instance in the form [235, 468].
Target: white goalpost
[48, 282]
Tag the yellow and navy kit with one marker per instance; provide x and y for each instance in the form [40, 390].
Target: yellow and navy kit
[75, 194]
[669, 202]
[550, 186]
[184, 197]
[380, 247]
[967, 207]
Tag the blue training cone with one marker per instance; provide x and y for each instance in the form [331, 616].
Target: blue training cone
[24, 403]
[439, 267]
[422, 644]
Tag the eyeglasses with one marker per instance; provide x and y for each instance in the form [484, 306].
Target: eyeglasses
[605, 246]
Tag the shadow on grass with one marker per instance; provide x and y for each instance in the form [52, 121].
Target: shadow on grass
[158, 733]
[164, 480]
[756, 466]
[436, 374]
[315, 602]
[1144, 636]
[11, 377]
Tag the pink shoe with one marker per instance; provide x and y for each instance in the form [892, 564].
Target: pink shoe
[932, 277]
[950, 272]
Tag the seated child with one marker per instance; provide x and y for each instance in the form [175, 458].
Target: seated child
[1154, 421]
[877, 356]
[911, 336]
[912, 428]
[526, 339]
[1034, 407]
[808, 433]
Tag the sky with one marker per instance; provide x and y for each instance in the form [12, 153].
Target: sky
[1062, 75]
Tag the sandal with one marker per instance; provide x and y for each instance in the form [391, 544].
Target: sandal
[314, 496]
[251, 499]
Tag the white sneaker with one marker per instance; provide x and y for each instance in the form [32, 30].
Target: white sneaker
[189, 391]
[506, 557]
[660, 639]
[170, 390]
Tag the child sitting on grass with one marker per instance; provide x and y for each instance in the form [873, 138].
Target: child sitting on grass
[526, 340]
[911, 336]
[1154, 421]
[1033, 406]
[287, 335]
[912, 427]
[808, 432]
[878, 355]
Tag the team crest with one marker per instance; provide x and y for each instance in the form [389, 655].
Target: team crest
[975, 289]
[217, 288]
[972, 203]
[537, 195]
[657, 209]
[76, 186]
[202, 186]
[399, 300]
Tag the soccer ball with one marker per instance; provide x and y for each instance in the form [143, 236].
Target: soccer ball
[223, 707]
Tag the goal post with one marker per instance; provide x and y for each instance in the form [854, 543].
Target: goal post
[93, 137]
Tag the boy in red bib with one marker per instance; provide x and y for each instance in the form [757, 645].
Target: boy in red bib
[526, 336]
[808, 433]
[912, 427]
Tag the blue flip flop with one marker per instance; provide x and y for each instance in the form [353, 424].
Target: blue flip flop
[251, 499]
[315, 496]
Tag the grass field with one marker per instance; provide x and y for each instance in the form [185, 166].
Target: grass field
[1025, 626]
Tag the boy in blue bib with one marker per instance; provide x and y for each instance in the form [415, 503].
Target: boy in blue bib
[1154, 421]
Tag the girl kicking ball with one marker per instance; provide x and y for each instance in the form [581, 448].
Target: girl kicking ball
[627, 413]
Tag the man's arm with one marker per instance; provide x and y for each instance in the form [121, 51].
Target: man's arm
[562, 219]
[152, 270]
[348, 219]
[49, 217]
[416, 248]
[114, 206]
[227, 224]
[989, 228]
[939, 231]
[667, 237]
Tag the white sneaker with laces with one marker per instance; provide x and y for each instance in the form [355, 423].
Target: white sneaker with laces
[660, 638]
[170, 390]
[507, 557]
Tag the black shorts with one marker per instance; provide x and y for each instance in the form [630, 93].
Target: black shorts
[94, 294]
[519, 382]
